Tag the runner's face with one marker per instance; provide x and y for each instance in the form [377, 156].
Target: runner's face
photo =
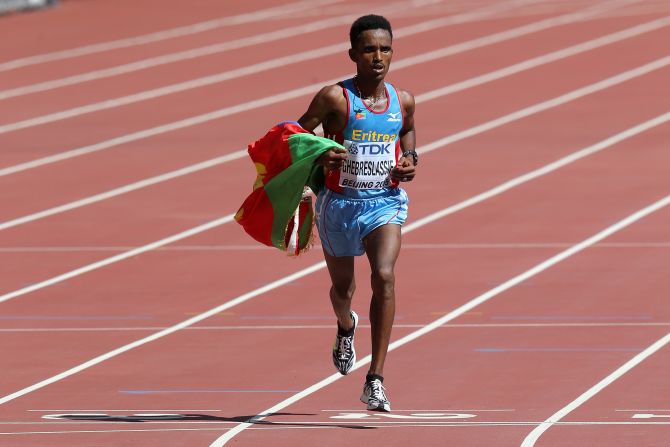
[372, 54]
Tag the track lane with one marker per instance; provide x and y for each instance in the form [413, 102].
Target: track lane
[473, 150]
[326, 362]
[151, 80]
[576, 192]
[144, 280]
[555, 284]
[107, 22]
[162, 145]
[95, 175]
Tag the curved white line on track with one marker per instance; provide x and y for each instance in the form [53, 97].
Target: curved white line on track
[434, 94]
[534, 435]
[243, 42]
[321, 265]
[539, 268]
[165, 34]
[497, 74]
[270, 64]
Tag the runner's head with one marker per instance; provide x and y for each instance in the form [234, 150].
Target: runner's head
[371, 46]
[366, 23]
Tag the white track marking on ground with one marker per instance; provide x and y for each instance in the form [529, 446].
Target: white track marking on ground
[661, 119]
[608, 142]
[157, 410]
[408, 246]
[321, 265]
[296, 93]
[114, 259]
[191, 321]
[311, 54]
[270, 64]
[330, 327]
[537, 269]
[430, 410]
[181, 31]
[534, 435]
[422, 98]
[545, 105]
[310, 425]
[272, 36]
[122, 190]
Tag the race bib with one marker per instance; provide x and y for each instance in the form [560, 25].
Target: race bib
[368, 164]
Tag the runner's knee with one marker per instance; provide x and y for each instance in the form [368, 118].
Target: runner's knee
[343, 291]
[383, 281]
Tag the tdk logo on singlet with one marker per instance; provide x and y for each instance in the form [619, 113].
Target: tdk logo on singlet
[370, 148]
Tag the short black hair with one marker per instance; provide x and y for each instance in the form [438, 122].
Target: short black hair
[368, 22]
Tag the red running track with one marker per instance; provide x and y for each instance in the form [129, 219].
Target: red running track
[503, 353]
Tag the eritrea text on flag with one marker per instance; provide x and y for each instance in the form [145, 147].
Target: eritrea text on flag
[275, 213]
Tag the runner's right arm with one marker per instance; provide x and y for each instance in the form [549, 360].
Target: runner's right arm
[328, 107]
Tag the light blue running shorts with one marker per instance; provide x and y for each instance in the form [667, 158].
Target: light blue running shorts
[344, 222]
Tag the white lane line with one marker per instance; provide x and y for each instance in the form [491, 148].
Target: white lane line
[261, 38]
[534, 435]
[181, 31]
[191, 321]
[539, 268]
[554, 102]
[122, 190]
[309, 425]
[114, 259]
[69, 432]
[422, 98]
[305, 272]
[260, 67]
[307, 90]
[330, 327]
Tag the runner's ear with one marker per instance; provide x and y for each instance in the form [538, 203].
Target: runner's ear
[352, 55]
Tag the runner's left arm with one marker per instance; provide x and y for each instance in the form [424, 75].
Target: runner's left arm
[406, 170]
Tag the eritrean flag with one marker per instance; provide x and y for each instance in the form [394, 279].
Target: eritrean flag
[277, 213]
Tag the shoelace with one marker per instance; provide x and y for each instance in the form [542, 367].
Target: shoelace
[343, 348]
[377, 390]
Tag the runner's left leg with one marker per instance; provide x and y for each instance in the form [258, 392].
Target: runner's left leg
[382, 247]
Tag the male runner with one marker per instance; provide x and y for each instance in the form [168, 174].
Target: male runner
[362, 208]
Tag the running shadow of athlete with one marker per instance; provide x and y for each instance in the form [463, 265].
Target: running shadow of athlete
[203, 417]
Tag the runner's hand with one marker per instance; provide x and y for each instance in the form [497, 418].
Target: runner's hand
[333, 159]
[404, 171]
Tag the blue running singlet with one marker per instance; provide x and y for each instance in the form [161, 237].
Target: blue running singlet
[361, 196]
[373, 141]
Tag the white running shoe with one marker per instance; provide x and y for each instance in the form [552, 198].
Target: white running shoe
[375, 396]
